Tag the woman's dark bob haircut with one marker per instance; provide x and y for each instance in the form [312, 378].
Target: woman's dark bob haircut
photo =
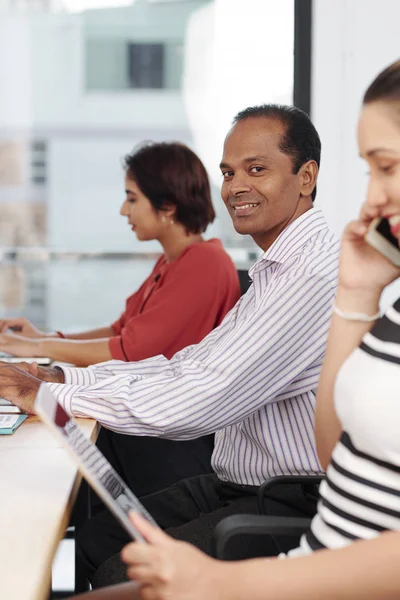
[171, 175]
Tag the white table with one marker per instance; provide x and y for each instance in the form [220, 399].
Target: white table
[38, 485]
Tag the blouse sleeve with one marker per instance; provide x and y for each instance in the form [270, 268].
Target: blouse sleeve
[120, 323]
[182, 301]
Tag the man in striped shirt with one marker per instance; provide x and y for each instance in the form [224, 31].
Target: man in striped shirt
[253, 379]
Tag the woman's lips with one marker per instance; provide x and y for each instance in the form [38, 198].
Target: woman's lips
[394, 222]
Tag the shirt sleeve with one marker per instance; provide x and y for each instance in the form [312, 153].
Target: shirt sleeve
[193, 288]
[270, 351]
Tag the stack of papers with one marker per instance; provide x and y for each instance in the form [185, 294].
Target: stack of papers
[6, 407]
[9, 423]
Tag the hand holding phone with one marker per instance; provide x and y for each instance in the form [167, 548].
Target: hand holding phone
[380, 237]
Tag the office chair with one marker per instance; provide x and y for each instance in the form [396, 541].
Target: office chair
[244, 280]
[255, 528]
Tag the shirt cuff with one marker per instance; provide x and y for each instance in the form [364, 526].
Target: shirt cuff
[64, 394]
[78, 376]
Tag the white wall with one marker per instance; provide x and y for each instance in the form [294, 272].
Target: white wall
[353, 40]
[61, 100]
[15, 74]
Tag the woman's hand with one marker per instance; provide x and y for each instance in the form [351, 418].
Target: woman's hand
[18, 345]
[361, 267]
[167, 568]
[22, 326]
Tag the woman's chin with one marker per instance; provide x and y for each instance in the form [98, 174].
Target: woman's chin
[142, 237]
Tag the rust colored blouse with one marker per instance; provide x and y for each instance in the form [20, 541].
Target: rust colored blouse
[178, 304]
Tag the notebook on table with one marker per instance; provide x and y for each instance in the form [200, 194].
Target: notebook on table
[7, 407]
[9, 423]
[5, 357]
[96, 469]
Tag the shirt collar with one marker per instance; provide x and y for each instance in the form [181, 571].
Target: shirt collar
[293, 237]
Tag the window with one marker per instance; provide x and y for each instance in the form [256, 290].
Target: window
[38, 162]
[90, 87]
[146, 66]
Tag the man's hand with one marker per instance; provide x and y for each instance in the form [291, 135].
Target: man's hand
[51, 374]
[18, 386]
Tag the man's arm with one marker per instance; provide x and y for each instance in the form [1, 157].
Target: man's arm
[253, 362]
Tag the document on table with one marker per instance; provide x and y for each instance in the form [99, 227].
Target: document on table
[7, 407]
[9, 423]
[8, 420]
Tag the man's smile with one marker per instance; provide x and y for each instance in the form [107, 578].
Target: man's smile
[243, 209]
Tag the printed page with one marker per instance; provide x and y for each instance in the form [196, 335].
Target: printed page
[8, 407]
[7, 421]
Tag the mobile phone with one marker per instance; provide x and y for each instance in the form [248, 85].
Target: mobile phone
[380, 237]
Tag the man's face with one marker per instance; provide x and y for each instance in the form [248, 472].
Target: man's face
[259, 188]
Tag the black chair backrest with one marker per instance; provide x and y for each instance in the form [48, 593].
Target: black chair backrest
[244, 280]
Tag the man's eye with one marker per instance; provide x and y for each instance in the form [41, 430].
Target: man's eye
[256, 169]
[227, 174]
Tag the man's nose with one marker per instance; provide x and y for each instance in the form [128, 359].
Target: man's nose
[239, 185]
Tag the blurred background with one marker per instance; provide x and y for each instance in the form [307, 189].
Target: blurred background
[84, 81]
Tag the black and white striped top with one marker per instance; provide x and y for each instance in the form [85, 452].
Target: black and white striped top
[360, 497]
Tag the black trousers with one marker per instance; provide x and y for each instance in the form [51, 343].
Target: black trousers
[149, 464]
[189, 511]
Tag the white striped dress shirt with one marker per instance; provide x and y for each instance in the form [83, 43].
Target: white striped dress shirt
[252, 380]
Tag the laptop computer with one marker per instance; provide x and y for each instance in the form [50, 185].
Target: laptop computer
[96, 469]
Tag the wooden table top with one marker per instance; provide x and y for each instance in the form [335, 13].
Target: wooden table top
[38, 485]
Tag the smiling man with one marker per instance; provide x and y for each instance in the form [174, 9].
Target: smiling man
[253, 379]
[262, 167]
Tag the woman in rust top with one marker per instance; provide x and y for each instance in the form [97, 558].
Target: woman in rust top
[192, 286]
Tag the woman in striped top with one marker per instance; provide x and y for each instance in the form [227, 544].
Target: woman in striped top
[357, 528]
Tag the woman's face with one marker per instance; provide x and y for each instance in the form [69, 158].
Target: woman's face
[379, 145]
[146, 222]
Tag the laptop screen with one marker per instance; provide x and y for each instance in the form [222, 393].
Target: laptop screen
[94, 466]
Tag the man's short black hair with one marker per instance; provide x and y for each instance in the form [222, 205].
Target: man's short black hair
[300, 141]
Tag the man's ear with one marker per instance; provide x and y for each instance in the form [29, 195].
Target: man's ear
[308, 177]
